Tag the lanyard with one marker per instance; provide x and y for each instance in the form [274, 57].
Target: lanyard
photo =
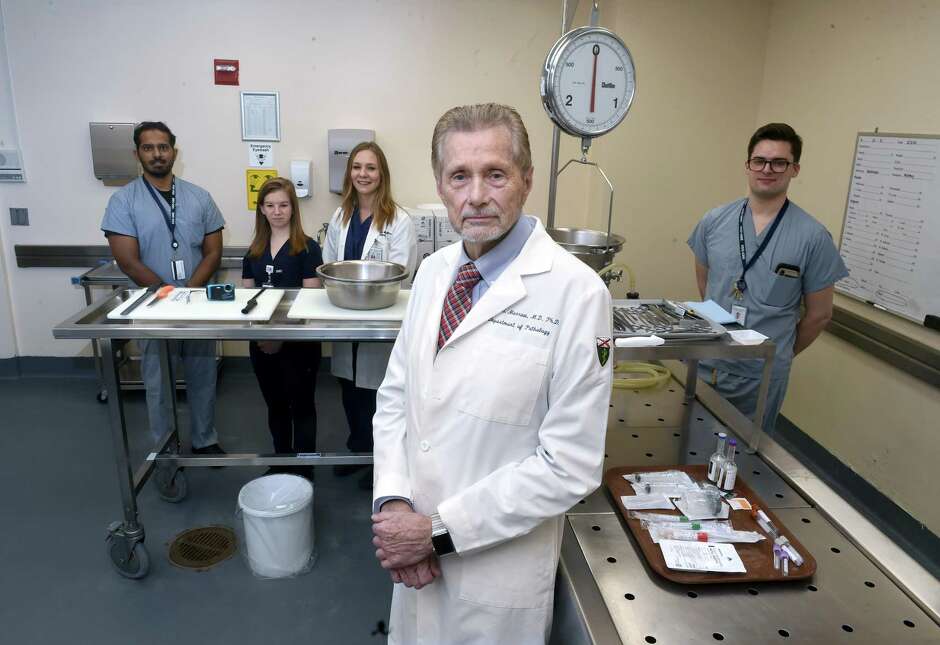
[745, 263]
[170, 218]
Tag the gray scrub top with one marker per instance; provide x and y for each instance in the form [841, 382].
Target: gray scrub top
[132, 211]
[772, 301]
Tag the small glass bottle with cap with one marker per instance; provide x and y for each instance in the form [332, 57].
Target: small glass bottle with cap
[729, 470]
[715, 461]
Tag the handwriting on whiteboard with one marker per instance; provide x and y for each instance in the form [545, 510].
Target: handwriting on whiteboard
[891, 237]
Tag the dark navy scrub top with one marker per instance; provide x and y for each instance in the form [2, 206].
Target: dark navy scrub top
[356, 236]
[289, 270]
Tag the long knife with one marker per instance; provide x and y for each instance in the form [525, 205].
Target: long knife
[146, 294]
[253, 301]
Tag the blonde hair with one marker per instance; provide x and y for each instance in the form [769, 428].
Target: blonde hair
[298, 239]
[482, 116]
[383, 206]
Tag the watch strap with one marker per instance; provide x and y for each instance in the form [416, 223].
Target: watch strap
[441, 541]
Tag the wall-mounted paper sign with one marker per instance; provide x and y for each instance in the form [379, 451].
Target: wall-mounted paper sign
[261, 119]
[261, 155]
[254, 180]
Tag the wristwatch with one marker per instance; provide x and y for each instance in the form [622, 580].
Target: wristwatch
[440, 537]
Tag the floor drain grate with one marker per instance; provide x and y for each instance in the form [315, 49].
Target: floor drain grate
[202, 547]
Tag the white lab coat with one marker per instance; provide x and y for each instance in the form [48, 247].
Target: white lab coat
[397, 242]
[500, 432]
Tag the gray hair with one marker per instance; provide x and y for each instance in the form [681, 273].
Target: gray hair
[473, 118]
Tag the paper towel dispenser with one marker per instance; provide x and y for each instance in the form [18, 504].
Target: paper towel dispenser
[112, 151]
[340, 143]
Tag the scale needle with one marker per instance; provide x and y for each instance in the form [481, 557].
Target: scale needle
[597, 50]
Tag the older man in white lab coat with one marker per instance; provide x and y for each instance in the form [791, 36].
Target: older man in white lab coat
[492, 415]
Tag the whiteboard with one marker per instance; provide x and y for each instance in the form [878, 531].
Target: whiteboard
[891, 232]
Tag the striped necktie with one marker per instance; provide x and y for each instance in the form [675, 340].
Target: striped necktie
[458, 301]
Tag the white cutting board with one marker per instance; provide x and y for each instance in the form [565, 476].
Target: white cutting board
[315, 304]
[201, 308]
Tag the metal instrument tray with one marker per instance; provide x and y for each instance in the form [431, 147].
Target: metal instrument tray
[660, 317]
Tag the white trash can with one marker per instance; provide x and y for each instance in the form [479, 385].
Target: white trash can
[278, 518]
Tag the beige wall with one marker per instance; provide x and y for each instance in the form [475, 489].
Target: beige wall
[411, 61]
[833, 69]
[390, 66]
[679, 151]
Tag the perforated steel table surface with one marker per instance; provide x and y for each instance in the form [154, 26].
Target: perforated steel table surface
[607, 594]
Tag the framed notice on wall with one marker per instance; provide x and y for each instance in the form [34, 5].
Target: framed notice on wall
[891, 233]
[261, 116]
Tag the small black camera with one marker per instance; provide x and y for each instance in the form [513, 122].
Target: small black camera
[220, 291]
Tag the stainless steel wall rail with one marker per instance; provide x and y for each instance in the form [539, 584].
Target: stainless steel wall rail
[92, 255]
[917, 359]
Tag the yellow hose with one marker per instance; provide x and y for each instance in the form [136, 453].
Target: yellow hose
[630, 277]
[656, 375]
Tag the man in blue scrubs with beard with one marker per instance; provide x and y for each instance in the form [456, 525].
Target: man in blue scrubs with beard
[163, 230]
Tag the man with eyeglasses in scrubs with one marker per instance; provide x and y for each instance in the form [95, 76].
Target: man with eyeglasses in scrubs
[760, 257]
[163, 230]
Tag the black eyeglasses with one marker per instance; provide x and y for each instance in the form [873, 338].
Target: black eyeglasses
[160, 147]
[757, 164]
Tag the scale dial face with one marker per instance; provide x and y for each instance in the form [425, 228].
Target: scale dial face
[588, 82]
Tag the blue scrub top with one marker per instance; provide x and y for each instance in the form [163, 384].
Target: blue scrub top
[289, 270]
[132, 211]
[772, 300]
[356, 236]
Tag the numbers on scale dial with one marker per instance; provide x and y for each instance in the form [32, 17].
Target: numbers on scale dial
[595, 75]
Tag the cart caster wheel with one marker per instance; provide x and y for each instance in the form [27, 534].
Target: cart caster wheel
[134, 565]
[102, 396]
[173, 488]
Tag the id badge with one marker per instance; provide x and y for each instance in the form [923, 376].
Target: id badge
[179, 269]
[379, 251]
[740, 314]
[269, 269]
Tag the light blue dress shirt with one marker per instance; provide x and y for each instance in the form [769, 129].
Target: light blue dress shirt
[492, 263]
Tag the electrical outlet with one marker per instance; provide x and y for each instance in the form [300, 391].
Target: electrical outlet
[19, 216]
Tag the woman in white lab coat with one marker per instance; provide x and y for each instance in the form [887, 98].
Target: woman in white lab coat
[367, 226]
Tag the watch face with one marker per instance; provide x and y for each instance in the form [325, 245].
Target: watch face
[588, 82]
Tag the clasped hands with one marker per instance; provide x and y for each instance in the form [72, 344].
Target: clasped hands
[402, 539]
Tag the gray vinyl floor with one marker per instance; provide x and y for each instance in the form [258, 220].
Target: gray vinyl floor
[59, 494]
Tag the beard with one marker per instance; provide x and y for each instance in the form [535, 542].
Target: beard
[160, 170]
[488, 233]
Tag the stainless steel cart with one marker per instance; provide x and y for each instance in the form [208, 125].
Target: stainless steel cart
[126, 538]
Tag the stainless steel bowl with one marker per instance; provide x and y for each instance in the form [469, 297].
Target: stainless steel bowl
[362, 284]
[593, 248]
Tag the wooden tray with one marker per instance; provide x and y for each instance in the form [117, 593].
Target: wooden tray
[758, 558]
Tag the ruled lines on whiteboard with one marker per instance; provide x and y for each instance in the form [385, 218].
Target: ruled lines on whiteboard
[891, 234]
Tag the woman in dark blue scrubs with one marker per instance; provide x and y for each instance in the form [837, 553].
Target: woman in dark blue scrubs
[282, 256]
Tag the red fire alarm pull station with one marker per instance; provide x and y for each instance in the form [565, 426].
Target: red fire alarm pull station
[226, 71]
